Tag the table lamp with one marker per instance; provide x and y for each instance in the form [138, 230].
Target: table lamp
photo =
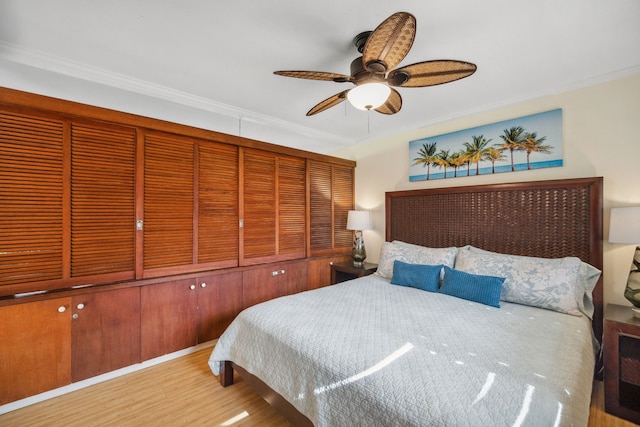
[358, 221]
[624, 227]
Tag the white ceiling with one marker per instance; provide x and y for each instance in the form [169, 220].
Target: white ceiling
[219, 57]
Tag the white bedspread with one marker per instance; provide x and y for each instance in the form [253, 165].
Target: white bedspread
[368, 353]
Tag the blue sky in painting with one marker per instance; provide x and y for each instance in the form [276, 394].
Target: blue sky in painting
[547, 124]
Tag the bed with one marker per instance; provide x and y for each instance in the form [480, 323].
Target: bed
[383, 350]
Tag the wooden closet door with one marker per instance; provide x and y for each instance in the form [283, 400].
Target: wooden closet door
[218, 205]
[168, 204]
[103, 193]
[331, 196]
[32, 195]
[273, 207]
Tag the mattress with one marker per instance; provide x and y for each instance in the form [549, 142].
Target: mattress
[366, 352]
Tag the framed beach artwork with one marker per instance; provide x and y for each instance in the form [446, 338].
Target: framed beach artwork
[525, 143]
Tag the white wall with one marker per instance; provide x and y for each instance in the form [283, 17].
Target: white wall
[601, 137]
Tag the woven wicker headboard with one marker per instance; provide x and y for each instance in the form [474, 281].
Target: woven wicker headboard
[548, 219]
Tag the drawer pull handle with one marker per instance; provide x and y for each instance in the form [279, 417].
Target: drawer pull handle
[80, 306]
[192, 287]
[62, 309]
[203, 285]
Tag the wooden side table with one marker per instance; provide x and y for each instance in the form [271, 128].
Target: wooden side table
[622, 363]
[344, 271]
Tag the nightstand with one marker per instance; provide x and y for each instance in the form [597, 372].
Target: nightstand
[343, 271]
[621, 363]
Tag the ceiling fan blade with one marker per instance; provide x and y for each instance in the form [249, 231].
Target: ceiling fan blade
[389, 43]
[392, 105]
[328, 103]
[315, 75]
[430, 73]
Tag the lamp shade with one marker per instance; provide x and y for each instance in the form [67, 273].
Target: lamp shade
[624, 225]
[359, 220]
[368, 96]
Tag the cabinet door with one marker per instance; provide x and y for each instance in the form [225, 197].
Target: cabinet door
[105, 332]
[293, 278]
[168, 204]
[331, 196]
[271, 281]
[219, 302]
[168, 317]
[36, 348]
[319, 270]
[31, 190]
[273, 207]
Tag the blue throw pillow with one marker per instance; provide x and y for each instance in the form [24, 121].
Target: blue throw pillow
[472, 287]
[420, 276]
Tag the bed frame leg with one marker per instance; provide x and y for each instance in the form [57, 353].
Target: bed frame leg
[226, 373]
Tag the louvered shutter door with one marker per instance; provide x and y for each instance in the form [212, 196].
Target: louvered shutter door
[259, 193]
[291, 207]
[331, 198]
[342, 203]
[168, 201]
[102, 200]
[218, 204]
[321, 202]
[31, 199]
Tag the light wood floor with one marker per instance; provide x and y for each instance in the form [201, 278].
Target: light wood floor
[182, 392]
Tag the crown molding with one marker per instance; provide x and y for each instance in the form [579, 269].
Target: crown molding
[55, 64]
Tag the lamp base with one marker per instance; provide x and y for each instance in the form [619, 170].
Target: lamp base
[636, 311]
[360, 264]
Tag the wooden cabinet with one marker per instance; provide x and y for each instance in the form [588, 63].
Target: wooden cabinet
[273, 210]
[182, 313]
[105, 332]
[330, 197]
[319, 270]
[260, 284]
[621, 343]
[49, 344]
[219, 302]
[36, 348]
[190, 205]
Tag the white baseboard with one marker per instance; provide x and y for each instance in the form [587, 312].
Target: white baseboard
[100, 378]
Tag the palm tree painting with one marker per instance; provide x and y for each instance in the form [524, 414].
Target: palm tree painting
[525, 143]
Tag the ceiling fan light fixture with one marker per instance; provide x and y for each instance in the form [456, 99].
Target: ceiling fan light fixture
[368, 96]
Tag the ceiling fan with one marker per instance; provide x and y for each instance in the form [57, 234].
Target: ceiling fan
[373, 73]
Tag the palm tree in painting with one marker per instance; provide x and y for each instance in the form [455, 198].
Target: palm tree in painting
[442, 160]
[456, 160]
[534, 144]
[475, 151]
[494, 154]
[513, 140]
[425, 156]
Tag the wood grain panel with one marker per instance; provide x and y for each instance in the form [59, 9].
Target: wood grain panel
[343, 197]
[260, 203]
[320, 206]
[102, 200]
[291, 206]
[31, 195]
[106, 332]
[168, 201]
[36, 348]
[217, 203]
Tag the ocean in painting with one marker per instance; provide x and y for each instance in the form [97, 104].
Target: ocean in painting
[539, 134]
[439, 174]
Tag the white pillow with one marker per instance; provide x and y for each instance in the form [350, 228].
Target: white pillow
[560, 284]
[412, 254]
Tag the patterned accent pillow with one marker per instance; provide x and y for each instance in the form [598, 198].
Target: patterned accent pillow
[472, 287]
[587, 280]
[539, 282]
[413, 255]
